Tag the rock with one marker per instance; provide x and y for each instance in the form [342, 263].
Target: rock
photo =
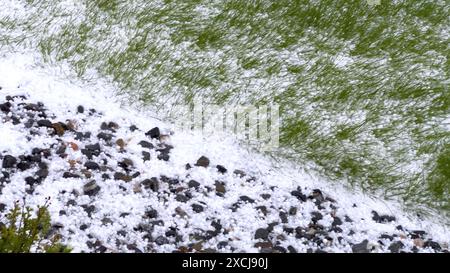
[80, 109]
[29, 123]
[348, 219]
[265, 196]
[9, 161]
[70, 175]
[145, 156]
[197, 208]
[382, 218]
[361, 247]
[432, 244]
[181, 198]
[5, 107]
[2, 207]
[42, 173]
[151, 213]
[220, 188]
[318, 196]
[122, 176]
[261, 233]
[221, 169]
[91, 188]
[279, 249]
[239, 173]
[90, 165]
[246, 199]
[300, 196]
[291, 249]
[23, 166]
[89, 209]
[152, 184]
[105, 136]
[45, 123]
[161, 240]
[179, 211]
[316, 216]
[146, 144]
[396, 246]
[153, 133]
[284, 217]
[31, 181]
[417, 234]
[202, 162]
[336, 221]
[387, 237]
[193, 184]
[133, 128]
[293, 211]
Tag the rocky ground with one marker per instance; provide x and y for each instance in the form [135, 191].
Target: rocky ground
[117, 186]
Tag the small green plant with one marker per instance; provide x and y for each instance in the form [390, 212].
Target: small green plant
[26, 231]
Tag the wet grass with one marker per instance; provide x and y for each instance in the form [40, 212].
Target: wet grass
[363, 89]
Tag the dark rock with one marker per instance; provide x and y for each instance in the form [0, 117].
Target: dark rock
[89, 209]
[122, 176]
[293, 211]
[70, 175]
[105, 136]
[386, 236]
[9, 161]
[197, 208]
[300, 196]
[151, 213]
[432, 244]
[145, 156]
[45, 123]
[263, 209]
[279, 249]
[83, 227]
[417, 234]
[188, 166]
[348, 219]
[133, 128]
[396, 246]
[316, 216]
[181, 198]
[193, 184]
[91, 188]
[42, 173]
[336, 221]
[31, 181]
[291, 249]
[239, 173]
[62, 212]
[161, 240]
[146, 144]
[361, 247]
[221, 169]
[5, 107]
[23, 166]
[283, 216]
[152, 184]
[2, 207]
[262, 233]
[90, 165]
[220, 188]
[203, 161]
[29, 123]
[265, 196]
[222, 244]
[71, 203]
[80, 109]
[382, 218]
[246, 199]
[153, 133]
[163, 156]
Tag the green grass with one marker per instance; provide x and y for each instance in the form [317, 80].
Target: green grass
[376, 122]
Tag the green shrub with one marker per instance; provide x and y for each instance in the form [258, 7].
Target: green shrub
[26, 231]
